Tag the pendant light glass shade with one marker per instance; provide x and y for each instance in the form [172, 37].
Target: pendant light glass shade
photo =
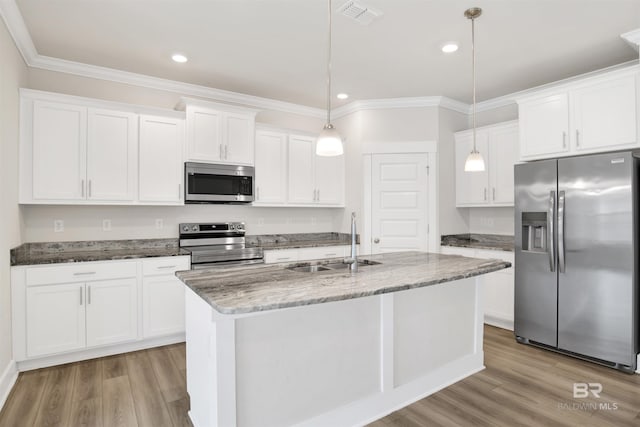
[329, 142]
[474, 162]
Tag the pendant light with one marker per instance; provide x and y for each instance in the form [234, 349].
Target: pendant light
[474, 162]
[329, 141]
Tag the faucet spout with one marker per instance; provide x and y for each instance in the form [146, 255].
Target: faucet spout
[353, 260]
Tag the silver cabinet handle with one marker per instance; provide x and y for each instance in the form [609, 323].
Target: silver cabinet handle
[179, 191]
[84, 273]
[82, 188]
[494, 194]
[165, 266]
[314, 195]
[318, 195]
[561, 248]
[89, 192]
[226, 152]
[286, 258]
[376, 240]
[80, 295]
[577, 138]
[551, 244]
[220, 149]
[564, 140]
[89, 295]
[257, 193]
[485, 194]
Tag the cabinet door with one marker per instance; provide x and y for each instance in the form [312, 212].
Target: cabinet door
[544, 126]
[271, 167]
[162, 306]
[204, 135]
[239, 130]
[605, 115]
[503, 143]
[59, 151]
[55, 319]
[329, 180]
[301, 169]
[160, 160]
[111, 155]
[112, 314]
[472, 188]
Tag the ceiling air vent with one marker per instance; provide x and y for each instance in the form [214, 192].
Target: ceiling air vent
[359, 12]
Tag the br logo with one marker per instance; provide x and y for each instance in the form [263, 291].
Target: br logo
[582, 390]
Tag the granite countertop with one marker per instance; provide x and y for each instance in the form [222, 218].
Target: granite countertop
[495, 242]
[248, 289]
[95, 250]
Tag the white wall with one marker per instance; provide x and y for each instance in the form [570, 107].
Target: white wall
[85, 222]
[13, 74]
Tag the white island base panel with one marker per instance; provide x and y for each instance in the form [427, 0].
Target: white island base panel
[344, 363]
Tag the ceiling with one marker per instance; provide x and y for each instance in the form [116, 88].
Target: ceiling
[277, 48]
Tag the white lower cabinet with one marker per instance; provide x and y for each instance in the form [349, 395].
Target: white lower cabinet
[163, 297]
[498, 287]
[74, 311]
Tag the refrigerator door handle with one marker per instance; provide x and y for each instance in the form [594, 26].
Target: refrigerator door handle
[561, 260]
[550, 231]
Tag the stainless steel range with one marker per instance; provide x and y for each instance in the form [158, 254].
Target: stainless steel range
[216, 244]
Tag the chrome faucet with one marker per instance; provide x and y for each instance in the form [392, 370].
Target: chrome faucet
[353, 259]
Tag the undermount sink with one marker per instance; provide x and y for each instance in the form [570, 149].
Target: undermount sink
[308, 268]
[344, 265]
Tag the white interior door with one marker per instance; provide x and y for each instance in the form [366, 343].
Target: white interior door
[399, 215]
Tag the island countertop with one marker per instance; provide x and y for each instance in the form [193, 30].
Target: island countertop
[255, 288]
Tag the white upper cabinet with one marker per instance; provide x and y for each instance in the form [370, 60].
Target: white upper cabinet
[83, 151]
[329, 179]
[302, 169]
[271, 167]
[161, 166]
[498, 145]
[111, 155]
[219, 133]
[57, 151]
[592, 115]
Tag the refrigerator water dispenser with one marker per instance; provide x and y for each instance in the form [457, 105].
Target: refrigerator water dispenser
[534, 231]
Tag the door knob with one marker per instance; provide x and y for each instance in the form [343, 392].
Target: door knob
[376, 240]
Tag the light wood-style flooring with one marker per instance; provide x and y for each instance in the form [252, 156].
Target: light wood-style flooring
[522, 386]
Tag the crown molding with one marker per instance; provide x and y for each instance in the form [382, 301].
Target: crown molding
[393, 103]
[18, 30]
[632, 37]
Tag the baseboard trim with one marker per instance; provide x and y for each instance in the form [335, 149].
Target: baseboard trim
[7, 381]
[59, 359]
[499, 322]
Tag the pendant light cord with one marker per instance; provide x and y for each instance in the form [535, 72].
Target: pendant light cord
[473, 72]
[329, 69]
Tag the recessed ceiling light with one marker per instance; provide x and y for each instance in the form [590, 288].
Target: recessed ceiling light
[342, 96]
[450, 47]
[179, 58]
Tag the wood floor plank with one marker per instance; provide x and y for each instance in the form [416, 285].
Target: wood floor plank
[151, 409]
[118, 406]
[86, 401]
[179, 412]
[21, 408]
[172, 383]
[114, 366]
[55, 407]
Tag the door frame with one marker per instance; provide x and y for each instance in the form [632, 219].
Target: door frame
[430, 148]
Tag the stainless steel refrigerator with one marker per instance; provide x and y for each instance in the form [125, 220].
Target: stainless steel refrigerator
[576, 256]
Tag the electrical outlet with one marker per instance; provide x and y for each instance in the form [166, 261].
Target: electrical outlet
[58, 226]
[159, 224]
[106, 225]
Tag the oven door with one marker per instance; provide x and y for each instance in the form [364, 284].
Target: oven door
[208, 183]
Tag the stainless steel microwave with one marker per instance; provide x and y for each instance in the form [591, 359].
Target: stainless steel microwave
[217, 183]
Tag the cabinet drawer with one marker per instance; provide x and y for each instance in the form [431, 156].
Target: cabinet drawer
[281, 255]
[321, 252]
[80, 272]
[501, 255]
[167, 265]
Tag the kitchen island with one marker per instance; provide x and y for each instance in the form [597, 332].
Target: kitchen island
[279, 345]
